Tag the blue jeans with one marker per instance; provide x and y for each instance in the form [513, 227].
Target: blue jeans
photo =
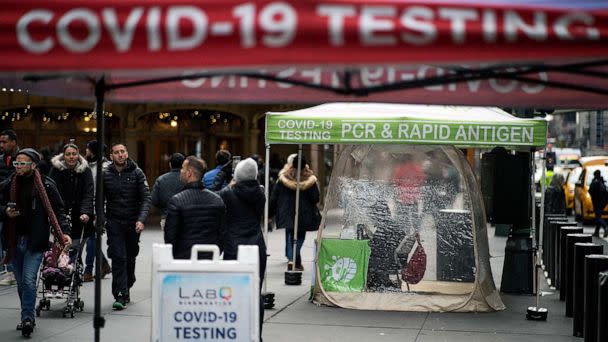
[25, 266]
[90, 259]
[289, 247]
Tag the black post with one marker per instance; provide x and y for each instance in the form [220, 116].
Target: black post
[561, 258]
[553, 230]
[580, 251]
[572, 239]
[100, 90]
[594, 264]
[602, 309]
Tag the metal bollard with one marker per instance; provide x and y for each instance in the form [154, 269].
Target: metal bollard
[594, 264]
[562, 257]
[571, 239]
[602, 307]
[581, 250]
[555, 228]
[560, 249]
[546, 241]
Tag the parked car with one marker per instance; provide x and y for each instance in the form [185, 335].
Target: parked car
[583, 207]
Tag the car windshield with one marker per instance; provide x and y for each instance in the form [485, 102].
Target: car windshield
[591, 170]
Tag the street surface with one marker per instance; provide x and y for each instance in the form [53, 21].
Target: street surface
[294, 318]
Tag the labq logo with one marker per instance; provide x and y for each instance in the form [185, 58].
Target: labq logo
[343, 269]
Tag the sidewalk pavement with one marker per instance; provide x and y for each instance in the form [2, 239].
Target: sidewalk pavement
[294, 318]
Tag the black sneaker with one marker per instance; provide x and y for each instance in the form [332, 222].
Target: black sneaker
[27, 327]
[20, 325]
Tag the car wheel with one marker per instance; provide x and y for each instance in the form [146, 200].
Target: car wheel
[569, 211]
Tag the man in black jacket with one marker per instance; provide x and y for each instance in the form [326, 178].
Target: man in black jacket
[599, 198]
[167, 185]
[30, 202]
[195, 215]
[127, 197]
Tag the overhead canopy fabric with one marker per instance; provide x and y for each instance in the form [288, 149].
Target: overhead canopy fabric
[550, 53]
[377, 123]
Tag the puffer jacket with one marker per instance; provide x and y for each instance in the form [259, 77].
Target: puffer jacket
[76, 188]
[195, 215]
[283, 199]
[245, 206]
[126, 193]
[164, 188]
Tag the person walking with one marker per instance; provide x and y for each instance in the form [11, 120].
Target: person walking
[282, 205]
[74, 181]
[219, 177]
[8, 152]
[195, 215]
[93, 155]
[30, 205]
[127, 199]
[599, 198]
[244, 200]
[555, 197]
[167, 185]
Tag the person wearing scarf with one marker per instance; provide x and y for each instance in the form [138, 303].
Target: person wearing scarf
[282, 204]
[30, 207]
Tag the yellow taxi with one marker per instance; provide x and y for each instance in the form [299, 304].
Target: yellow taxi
[570, 179]
[583, 207]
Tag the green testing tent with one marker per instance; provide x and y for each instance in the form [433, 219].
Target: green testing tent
[401, 176]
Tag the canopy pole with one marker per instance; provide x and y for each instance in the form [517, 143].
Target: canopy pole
[537, 313]
[266, 193]
[297, 210]
[533, 224]
[100, 90]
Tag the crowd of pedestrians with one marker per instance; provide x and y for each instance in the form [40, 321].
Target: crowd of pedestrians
[222, 206]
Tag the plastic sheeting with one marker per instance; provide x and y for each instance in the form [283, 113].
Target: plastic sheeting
[384, 195]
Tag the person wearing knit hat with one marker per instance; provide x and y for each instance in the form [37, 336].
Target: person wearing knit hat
[32, 205]
[246, 170]
[244, 200]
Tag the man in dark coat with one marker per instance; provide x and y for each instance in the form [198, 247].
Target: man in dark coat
[8, 152]
[244, 200]
[195, 215]
[127, 197]
[282, 206]
[74, 180]
[30, 205]
[94, 154]
[599, 198]
[167, 185]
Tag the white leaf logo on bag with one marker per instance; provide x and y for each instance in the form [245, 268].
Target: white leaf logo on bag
[342, 270]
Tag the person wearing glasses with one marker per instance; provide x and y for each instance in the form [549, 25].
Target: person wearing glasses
[8, 152]
[74, 181]
[31, 208]
[127, 198]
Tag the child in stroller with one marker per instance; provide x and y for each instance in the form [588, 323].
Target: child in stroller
[56, 272]
[61, 272]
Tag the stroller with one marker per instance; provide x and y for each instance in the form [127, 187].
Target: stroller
[61, 279]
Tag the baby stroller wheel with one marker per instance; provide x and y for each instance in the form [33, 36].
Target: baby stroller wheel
[72, 312]
[81, 305]
[47, 304]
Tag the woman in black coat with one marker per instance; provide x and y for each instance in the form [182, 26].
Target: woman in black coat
[74, 181]
[244, 200]
[283, 203]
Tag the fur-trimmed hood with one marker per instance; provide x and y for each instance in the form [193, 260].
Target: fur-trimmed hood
[58, 162]
[287, 176]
